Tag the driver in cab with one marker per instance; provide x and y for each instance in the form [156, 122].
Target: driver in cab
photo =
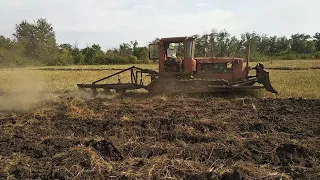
[172, 56]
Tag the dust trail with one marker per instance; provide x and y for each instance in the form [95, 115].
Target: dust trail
[25, 90]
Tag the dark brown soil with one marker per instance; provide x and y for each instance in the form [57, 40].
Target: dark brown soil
[162, 137]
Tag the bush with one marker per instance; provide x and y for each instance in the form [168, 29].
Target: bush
[117, 59]
[316, 55]
[10, 58]
[290, 56]
[131, 59]
[305, 56]
[258, 57]
[63, 58]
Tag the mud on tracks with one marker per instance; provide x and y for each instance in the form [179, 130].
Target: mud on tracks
[162, 137]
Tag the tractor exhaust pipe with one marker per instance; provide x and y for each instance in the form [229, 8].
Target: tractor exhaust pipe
[248, 56]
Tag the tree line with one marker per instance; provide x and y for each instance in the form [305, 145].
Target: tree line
[298, 46]
[34, 43]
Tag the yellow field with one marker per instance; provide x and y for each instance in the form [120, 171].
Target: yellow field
[268, 63]
[291, 84]
[298, 83]
[289, 63]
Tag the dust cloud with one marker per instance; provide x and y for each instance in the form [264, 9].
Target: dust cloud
[24, 90]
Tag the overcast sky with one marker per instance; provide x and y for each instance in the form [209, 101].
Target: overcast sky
[111, 22]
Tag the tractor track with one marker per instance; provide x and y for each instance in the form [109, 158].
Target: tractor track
[162, 136]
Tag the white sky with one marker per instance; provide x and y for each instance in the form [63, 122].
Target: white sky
[111, 22]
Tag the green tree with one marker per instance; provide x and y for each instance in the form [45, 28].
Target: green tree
[199, 46]
[222, 43]
[272, 44]
[263, 47]
[66, 46]
[282, 44]
[317, 39]
[38, 40]
[301, 43]
[93, 54]
[64, 57]
[142, 53]
[5, 43]
[125, 49]
[78, 57]
[253, 39]
[233, 47]
[210, 43]
[134, 47]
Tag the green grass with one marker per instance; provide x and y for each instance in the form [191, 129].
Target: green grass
[289, 63]
[122, 66]
[300, 83]
[25, 80]
[292, 84]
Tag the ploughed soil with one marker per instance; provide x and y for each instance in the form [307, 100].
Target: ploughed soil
[174, 137]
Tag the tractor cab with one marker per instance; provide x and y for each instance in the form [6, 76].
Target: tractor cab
[182, 63]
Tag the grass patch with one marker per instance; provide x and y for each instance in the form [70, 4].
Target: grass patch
[289, 63]
[292, 84]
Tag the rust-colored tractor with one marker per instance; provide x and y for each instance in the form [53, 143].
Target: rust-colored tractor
[189, 74]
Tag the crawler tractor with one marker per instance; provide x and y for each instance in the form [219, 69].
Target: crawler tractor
[187, 73]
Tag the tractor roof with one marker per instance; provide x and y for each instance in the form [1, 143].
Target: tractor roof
[177, 39]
